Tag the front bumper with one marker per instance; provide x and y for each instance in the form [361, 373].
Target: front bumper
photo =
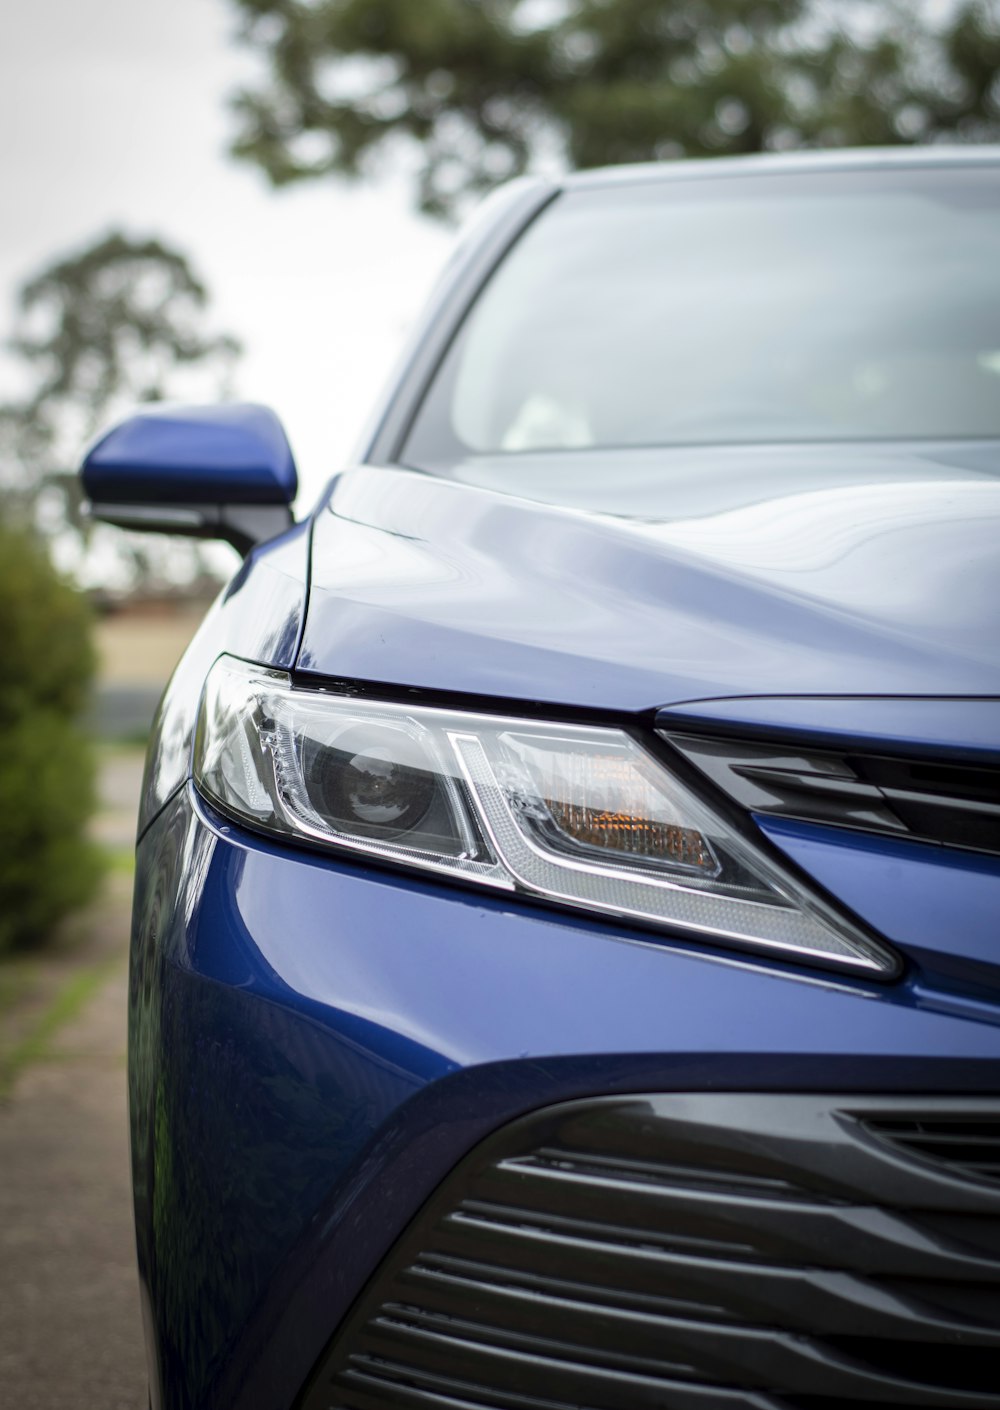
[695, 1250]
[314, 1048]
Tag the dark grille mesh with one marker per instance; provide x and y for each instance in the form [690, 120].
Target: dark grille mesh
[969, 1145]
[753, 1253]
[956, 804]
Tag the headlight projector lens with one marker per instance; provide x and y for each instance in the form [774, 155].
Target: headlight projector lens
[365, 784]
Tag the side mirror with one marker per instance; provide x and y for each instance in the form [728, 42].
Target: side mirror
[220, 472]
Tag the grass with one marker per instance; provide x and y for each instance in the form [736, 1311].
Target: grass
[120, 861]
[37, 995]
[16, 979]
[128, 741]
[36, 1044]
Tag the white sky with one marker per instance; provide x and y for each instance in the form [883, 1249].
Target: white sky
[114, 113]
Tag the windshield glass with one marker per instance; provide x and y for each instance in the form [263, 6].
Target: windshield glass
[831, 306]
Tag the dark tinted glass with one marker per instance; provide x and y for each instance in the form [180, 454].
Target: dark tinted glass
[829, 306]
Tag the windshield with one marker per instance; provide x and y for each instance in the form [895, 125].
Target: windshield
[831, 306]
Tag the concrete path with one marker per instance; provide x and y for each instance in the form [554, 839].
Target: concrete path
[70, 1332]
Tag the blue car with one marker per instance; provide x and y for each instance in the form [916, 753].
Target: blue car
[565, 968]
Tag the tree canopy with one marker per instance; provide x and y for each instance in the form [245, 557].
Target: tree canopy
[112, 324]
[476, 91]
[121, 321]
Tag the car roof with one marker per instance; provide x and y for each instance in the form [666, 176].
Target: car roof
[781, 163]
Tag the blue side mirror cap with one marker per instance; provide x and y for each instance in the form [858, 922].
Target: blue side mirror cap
[233, 454]
[222, 472]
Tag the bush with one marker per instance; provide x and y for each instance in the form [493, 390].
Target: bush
[47, 864]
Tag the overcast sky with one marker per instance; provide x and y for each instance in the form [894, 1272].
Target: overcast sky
[113, 113]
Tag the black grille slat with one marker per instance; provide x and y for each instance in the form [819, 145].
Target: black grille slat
[961, 1146]
[501, 1218]
[973, 783]
[420, 1389]
[463, 1271]
[645, 1172]
[588, 1257]
[367, 1388]
[509, 1372]
[797, 1299]
[745, 1362]
[866, 1241]
[639, 1348]
[964, 1145]
[370, 1377]
[954, 804]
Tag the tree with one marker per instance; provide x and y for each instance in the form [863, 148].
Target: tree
[118, 322]
[482, 90]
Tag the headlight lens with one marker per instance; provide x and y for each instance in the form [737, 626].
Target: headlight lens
[580, 815]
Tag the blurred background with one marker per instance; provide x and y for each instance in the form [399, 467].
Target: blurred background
[251, 198]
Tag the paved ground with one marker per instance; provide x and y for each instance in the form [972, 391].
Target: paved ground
[118, 711]
[137, 649]
[70, 1333]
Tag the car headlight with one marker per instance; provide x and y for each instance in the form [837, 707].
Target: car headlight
[575, 814]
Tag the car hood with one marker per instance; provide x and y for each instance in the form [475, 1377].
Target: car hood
[794, 571]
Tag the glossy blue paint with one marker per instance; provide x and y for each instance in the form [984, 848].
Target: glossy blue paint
[448, 586]
[296, 1093]
[259, 616]
[939, 904]
[970, 728]
[186, 455]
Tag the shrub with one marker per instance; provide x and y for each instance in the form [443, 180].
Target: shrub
[47, 864]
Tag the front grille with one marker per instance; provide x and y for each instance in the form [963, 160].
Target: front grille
[709, 1252]
[969, 1145]
[956, 804]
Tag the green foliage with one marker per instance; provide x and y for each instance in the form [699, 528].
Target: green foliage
[488, 89]
[121, 321]
[112, 320]
[46, 656]
[47, 866]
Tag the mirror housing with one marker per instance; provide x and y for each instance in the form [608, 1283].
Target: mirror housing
[219, 472]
